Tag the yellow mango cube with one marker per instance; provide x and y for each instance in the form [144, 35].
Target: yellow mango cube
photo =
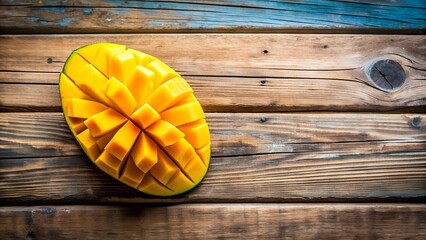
[120, 96]
[122, 142]
[152, 186]
[181, 151]
[103, 60]
[180, 183]
[164, 169]
[88, 52]
[89, 79]
[75, 63]
[109, 164]
[144, 153]
[145, 116]
[123, 64]
[196, 133]
[141, 84]
[76, 124]
[69, 89]
[141, 58]
[79, 108]
[132, 175]
[103, 140]
[183, 114]
[204, 153]
[163, 73]
[169, 94]
[164, 133]
[104, 122]
[88, 144]
[195, 169]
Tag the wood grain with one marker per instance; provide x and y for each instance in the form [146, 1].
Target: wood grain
[47, 135]
[257, 158]
[231, 72]
[218, 16]
[216, 221]
[302, 177]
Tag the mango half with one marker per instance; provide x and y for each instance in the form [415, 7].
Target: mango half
[135, 118]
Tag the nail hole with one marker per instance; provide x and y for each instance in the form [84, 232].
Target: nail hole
[325, 46]
[49, 60]
[263, 119]
[265, 51]
[416, 122]
[263, 82]
[30, 235]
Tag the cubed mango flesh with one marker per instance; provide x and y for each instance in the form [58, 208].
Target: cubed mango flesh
[152, 186]
[204, 153]
[196, 133]
[144, 153]
[68, 89]
[183, 114]
[164, 133]
[109, 164]
[164, 169]
[169, 94]
[135, 118]
[145, 116]
[104, 122]
[123, 64]
[80, 108]
[88, 143]
[89, 79]
[163, 73]
[132, 175]
[181, 151]
[103, 59]
[141, 84]
[142, 59]
[122, 142]
[120, 96]
[76, 124]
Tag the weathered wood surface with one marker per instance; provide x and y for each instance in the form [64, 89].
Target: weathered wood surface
[237, 72]
[262, 161]
[258, 157]
[232, 15]
[286, 177]
[216, 221]
[24, 135]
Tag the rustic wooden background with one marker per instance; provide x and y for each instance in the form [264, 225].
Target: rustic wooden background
[308, 142]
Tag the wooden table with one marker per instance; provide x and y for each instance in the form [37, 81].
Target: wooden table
[313, 135]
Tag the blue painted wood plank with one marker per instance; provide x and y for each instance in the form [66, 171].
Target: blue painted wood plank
[229, 15]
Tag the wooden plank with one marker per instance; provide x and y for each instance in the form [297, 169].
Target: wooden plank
[225, 16]
[25, 135]
[217, 221]
[231, 72]
[300, 177]
[257, 157]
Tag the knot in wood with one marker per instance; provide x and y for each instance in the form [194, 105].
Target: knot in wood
[387, 74]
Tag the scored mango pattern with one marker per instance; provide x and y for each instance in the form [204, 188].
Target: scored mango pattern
[135, 118]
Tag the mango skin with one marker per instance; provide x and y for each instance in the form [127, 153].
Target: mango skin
[149, 187]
